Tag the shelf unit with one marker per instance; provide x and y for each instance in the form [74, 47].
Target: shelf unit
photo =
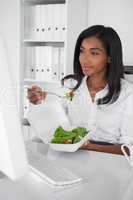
[49, 29]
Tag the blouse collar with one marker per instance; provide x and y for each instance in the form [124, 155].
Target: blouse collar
[99, 94]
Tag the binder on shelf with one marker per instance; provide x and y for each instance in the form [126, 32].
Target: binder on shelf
[49, 22]
[43, 22]
[43, 60]
[27, 72]
[29, 63]
[42, 66]
[46, 62]
[49, 63]
[37, 27]
[62, 71]
[63, 22]
[55, 64]
[30, 19]
[32, 64]
[56, 22]
[37, 63]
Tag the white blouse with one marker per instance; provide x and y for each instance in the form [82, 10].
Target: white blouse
[109, 122]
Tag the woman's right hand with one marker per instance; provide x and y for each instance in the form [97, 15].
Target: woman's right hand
[36, 95]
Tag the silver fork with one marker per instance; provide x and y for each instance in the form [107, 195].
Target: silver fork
[53, 93]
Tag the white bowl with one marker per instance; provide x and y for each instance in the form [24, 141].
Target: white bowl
[69, 147]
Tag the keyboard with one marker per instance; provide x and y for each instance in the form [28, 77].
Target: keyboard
[50, 171]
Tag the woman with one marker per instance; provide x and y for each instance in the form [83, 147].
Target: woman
[102, 100]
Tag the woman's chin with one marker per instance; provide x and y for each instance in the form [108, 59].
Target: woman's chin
[87, 73]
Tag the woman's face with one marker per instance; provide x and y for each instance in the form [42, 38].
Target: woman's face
[93, 57]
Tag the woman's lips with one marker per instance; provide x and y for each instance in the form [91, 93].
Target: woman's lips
[87, 68]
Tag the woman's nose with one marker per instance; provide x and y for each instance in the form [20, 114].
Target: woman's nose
[87, 60]
[87, 56]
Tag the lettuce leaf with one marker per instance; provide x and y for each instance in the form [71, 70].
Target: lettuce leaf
[62, 136]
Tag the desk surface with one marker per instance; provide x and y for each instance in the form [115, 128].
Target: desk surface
[106, 176]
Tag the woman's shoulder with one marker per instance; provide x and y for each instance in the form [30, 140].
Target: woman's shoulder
[126, 86]
[126, 94]
[126, 91]
[125, 99]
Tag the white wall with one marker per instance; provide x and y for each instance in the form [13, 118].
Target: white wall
[9, 29]
[119, 15]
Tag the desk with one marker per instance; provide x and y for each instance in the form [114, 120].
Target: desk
[107, 177]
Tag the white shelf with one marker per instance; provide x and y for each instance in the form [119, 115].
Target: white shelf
[57, 35]
[44, 41]
[42, 82]
[34, 2]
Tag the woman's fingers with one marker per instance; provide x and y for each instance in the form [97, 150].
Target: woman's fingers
[85, 145]
[36, 95]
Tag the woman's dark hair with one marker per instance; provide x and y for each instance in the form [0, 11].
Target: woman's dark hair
[112, 44]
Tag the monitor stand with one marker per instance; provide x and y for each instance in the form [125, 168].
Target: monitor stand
[2, 175]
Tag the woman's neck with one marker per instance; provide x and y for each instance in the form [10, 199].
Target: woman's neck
[96, 84]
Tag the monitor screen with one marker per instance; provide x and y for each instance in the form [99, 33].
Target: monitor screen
[13, 161]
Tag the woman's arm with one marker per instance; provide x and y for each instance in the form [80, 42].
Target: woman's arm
[113, 148]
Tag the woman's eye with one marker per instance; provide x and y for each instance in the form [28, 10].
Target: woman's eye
[94, 53]
[81, 50]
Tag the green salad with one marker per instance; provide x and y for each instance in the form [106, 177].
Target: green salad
[62, 136]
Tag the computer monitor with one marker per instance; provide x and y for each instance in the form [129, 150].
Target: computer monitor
[13, 160]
